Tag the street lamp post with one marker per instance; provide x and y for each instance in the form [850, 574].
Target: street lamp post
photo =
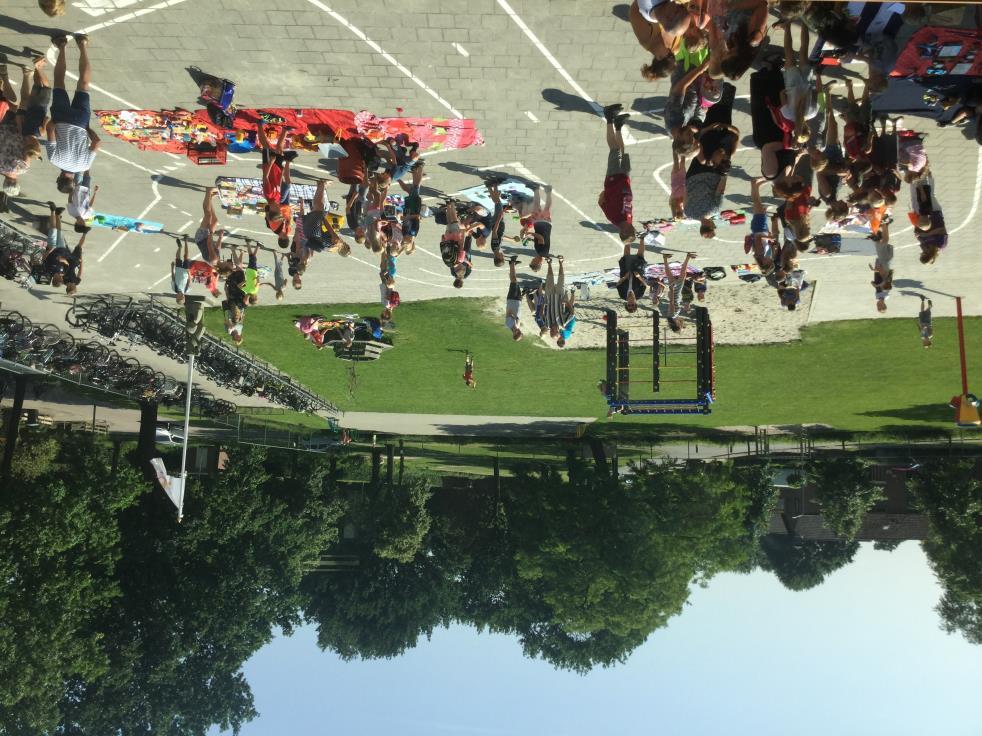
[193, 313]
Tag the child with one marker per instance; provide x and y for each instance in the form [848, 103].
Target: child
[387, 269]
[250, 285]
[675, 284]
[469, 371]
[80, 203]
[412, 209]
[279, 279]
[676, 200]
[276, 184]
[924, 323]
[882, 268]
[541, 230]
[233, 321]
[180, 275]
[760, 239]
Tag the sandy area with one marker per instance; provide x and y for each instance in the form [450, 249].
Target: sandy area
[741, 313]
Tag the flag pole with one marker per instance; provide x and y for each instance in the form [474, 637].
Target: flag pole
[187, 426]
[961, 344]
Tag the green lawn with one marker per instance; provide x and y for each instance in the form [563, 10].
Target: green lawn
[864, 375]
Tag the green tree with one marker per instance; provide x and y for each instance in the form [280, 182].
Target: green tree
[199, 598]
[600, 563]
[59, 547]
[403, 520]
[950, 493]
[844, 490]
[382, 608]
[801, 564]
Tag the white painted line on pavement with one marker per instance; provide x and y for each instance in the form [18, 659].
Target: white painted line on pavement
[156, 250]
[130, 16]
[549, 57]
[135, 165]
[184, 228]
[156, 195]
[387, 56]
[161, 279]
[975, 196]
[531, 117]
[460, 49]
[52, 55]
[529, 175]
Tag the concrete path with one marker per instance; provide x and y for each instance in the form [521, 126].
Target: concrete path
[463, 426]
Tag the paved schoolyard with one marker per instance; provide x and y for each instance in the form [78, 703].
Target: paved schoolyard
[528, 71]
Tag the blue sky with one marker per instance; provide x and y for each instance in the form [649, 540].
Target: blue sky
[862, 654]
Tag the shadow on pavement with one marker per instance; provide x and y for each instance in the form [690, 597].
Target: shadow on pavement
[566, 102]
[170, 181]
[24, 28]
[621, 11]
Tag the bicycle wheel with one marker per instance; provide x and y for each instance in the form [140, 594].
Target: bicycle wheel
[12, 322]
[81, 314]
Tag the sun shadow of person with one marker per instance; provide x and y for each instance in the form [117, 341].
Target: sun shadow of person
[566, 102]
[622, 11]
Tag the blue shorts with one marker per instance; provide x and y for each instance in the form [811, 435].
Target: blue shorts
[758, 224]
[76, 111]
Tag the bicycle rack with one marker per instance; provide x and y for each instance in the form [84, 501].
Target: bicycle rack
[124, 309]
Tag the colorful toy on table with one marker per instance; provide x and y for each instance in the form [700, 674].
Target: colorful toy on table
[165, 130]
[239, 196]
[128, 224]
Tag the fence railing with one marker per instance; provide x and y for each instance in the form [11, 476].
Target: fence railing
[163, 329]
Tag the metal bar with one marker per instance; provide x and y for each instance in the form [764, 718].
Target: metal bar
[655, 360]
[623, 362]
[611, 352]
[187, 431]
[961, 344]
[13, 425]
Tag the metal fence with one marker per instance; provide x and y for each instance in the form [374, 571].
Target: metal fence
[163, 329]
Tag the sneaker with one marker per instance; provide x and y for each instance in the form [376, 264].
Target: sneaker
[610, 111]
[620, 120]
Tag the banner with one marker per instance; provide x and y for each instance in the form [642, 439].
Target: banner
[174, 130]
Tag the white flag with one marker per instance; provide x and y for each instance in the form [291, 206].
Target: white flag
[173, 485]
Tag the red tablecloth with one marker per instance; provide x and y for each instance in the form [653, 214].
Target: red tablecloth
[172, 130]
[913, 62]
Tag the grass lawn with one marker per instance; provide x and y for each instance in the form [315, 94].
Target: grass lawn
[864, 375]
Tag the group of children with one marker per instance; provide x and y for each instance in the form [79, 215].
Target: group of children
[856, 179]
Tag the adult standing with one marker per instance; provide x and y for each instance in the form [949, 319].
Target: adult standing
[71, 144]
[882, 267]
[616, 200]
[632, 283]
[513, 302]
[276, 183]
[17, 146]
[655, 38]
[705, 181]
[180, 270]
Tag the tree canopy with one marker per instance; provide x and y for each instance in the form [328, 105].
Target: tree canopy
[950, 493]
[844, 490]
